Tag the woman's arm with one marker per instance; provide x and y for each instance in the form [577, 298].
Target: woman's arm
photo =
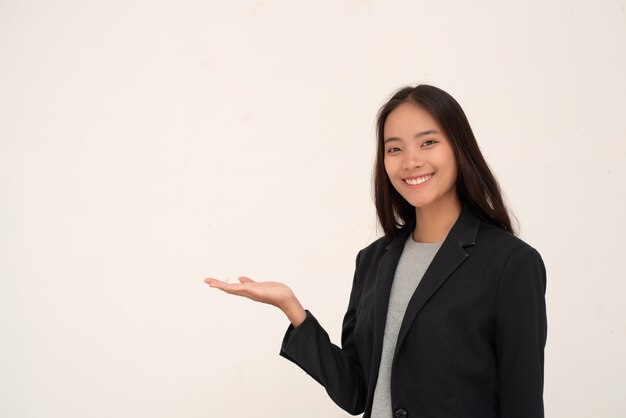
[337, 369]
[272, 293]
[520, 335]
[307, 344]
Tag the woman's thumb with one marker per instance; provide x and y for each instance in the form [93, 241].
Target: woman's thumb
[244, 279]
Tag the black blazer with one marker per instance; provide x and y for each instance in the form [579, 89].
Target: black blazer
[472, 340]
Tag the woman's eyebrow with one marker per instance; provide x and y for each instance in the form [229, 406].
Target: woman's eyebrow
[417, 135]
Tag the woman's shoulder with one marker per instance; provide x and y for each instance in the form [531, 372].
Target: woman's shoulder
[374, 248]
[499, 243]
[490, 240]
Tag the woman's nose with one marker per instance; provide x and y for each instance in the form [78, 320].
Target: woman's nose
[411, 160]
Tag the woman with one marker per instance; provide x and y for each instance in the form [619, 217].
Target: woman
[446, 316]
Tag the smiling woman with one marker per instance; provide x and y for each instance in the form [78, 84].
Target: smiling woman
[447, 315]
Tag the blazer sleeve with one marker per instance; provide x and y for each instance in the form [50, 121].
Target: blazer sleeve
[520, 334]
[337, 369]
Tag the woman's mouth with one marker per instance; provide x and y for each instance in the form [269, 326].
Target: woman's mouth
[418, 181]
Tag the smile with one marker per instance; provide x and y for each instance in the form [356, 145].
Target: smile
[418, 180]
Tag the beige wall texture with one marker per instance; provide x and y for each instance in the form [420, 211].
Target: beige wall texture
[145, 145]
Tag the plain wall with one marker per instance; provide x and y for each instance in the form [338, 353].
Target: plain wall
[146, 145]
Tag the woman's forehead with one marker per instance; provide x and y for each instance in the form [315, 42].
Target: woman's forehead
[412, 120]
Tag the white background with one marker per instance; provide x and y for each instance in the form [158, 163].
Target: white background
[146, 145]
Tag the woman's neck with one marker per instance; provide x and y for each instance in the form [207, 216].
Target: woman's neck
[433, 222]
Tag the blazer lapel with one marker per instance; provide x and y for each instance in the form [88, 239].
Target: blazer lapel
[450, 256]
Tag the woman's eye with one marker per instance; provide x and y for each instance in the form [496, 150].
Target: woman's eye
[391, 150]
[429, 142]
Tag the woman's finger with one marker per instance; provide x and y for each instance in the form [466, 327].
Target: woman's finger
[219, 284]
[213, 282]
[244, 279]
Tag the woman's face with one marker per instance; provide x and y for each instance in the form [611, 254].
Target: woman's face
[419, 158]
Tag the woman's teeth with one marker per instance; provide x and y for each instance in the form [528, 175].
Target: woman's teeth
[418, 180]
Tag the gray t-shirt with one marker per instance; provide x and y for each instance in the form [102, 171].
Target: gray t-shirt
[415, 259]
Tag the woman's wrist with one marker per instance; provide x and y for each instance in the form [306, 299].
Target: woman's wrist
[294, 311]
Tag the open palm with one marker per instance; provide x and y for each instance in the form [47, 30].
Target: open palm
[273, 293]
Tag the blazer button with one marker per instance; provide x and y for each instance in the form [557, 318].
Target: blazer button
[401, 413]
